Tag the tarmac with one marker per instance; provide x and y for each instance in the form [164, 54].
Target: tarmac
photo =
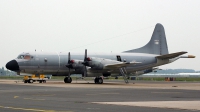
[111, 96]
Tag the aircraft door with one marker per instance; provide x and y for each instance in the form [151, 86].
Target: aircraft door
[35, 64]
[27, 63]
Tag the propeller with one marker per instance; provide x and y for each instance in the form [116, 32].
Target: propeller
[69, 64]
[86, 63]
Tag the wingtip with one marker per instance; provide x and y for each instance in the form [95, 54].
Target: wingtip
[188, 56]
[191, 56]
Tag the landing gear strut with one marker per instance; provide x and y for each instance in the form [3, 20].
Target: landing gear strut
[68, 80]
[98, 80]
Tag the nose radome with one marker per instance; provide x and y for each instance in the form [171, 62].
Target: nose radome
[12, 65]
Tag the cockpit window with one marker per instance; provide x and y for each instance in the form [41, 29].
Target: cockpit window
[20, 57]
[27, 57]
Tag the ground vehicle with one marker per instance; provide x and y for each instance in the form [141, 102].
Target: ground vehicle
[34, 78]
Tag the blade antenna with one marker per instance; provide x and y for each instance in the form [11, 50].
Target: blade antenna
[85, 55]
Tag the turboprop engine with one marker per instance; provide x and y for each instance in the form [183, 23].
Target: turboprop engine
[75, 64]
[100, 63]
[95, 63]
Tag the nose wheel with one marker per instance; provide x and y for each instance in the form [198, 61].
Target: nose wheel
[68, 80]
[98, 80]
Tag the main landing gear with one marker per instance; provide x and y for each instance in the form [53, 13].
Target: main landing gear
[98, 80]
[67, 80]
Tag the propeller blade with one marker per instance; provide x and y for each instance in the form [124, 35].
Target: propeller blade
[85, 55]
[85, 63]
[69, 57]
[68, 63]
[85, 72]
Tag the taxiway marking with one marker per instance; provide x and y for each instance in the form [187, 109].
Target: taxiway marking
[16, 96]
[29, 109]
[33, 99]
[188, 105]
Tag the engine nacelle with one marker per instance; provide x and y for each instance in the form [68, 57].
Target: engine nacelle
[106, 74]
[75, 64]
[95, 63]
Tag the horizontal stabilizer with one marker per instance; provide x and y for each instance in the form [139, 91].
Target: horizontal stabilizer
[120, 65]
[170, 56]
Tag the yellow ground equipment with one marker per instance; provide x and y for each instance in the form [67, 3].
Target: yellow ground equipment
[35, 78]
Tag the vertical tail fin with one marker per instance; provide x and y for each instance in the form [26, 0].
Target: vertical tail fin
[157, 44]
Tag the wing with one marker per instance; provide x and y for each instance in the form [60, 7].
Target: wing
[119, 65]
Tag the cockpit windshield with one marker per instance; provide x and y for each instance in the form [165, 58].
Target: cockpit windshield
[26, 56]
[20, 57]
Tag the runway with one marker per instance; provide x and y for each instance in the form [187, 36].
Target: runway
[112, 96]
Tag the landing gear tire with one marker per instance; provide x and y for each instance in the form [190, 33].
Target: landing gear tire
[44, 81]
[98, 80]
[68, 80]
[25, 81]
[40, 81]
[30, 81]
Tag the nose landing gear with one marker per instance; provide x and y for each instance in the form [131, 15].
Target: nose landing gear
[68, 80]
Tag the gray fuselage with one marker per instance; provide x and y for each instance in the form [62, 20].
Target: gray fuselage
[55, 63]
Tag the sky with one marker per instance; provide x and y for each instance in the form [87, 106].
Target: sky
[98, 26]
